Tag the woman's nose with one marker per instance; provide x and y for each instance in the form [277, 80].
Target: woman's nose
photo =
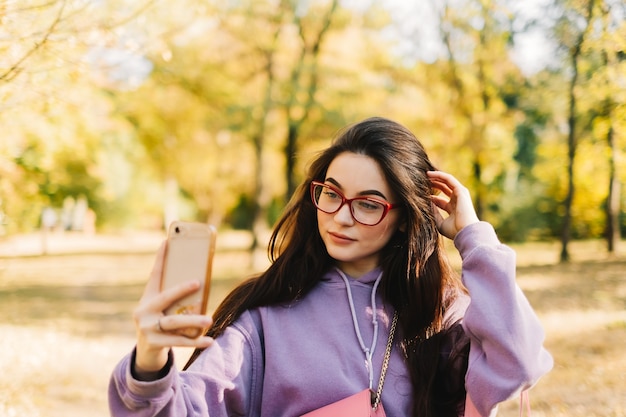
[344, 216]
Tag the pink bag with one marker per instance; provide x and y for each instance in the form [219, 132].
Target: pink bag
[357, 405]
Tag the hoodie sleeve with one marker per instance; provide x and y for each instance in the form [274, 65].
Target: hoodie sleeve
[225, 380]
[506, 338]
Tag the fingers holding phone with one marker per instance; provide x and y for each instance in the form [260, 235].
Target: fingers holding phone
[186, 323]
[157, 333]
[172, 310]
[188, 260]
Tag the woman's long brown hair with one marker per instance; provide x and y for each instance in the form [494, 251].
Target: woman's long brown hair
[417, 278]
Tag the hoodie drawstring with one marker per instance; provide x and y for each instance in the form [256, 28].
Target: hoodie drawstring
[368, 351]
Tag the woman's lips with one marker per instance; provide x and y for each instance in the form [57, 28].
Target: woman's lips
[339, 238]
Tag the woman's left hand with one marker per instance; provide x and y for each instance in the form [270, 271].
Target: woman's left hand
[457, 203]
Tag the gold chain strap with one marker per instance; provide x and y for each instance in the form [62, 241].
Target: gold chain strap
[383, 372]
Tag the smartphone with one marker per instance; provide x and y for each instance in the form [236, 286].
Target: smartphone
[189, 256]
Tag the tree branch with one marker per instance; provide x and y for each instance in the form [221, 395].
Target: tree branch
[16, 69]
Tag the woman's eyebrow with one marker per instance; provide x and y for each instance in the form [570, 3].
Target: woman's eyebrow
[333, 181]
[362, 193]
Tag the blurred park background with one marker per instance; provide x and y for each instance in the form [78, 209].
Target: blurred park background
[119, 116]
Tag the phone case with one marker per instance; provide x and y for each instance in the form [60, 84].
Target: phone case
[189, 256]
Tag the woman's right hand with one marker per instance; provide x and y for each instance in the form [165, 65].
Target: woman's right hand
[155, 331]
[456, 202]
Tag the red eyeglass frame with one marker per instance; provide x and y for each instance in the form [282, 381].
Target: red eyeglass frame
[386, 205]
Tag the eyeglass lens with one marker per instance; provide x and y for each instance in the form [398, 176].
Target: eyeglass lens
[363, 209]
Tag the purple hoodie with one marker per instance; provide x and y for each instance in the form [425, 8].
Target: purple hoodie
[284, 361]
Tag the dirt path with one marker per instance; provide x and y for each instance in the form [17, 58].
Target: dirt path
[65, 322]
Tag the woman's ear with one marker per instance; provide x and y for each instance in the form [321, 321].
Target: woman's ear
[402, 226]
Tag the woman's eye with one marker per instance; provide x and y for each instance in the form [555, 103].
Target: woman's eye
[331, 194]
[369, 205]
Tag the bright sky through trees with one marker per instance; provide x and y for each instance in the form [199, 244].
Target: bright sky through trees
[413, 21]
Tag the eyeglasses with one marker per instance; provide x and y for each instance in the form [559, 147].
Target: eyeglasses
[368, 211]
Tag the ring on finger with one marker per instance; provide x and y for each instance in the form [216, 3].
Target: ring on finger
[158, 325]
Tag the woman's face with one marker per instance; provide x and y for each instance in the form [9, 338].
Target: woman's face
[354, 246]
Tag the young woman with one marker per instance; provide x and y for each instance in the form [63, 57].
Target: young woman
[356, 254]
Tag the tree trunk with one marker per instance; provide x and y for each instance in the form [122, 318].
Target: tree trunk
[613, 200]
[571, 155]
[290, 155]
[304, 75]
[479, 201]
[576, 51]
[613, 233]
[261, 198]
[476, 116]
[257, 207]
